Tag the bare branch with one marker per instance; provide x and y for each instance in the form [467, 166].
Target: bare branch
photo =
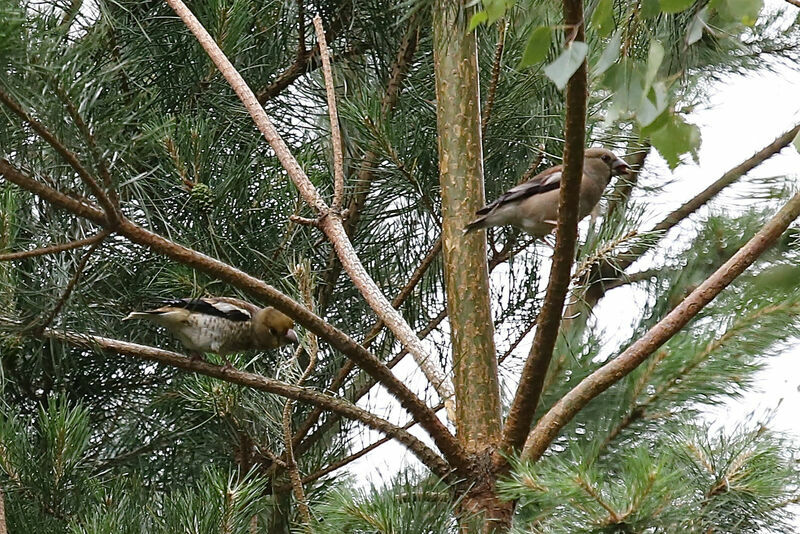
[336, 136]
[564, 410]
[795, 3]
[54, 249]
[331, 223]
[261, 383]
[535, 370]
[69, 157]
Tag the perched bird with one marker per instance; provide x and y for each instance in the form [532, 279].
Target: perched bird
[533, 205]
[221, 325]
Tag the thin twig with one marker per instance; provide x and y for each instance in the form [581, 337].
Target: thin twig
[261, 383]
[302, 273]
[73, 283]
[535, 369]
[86, 177]
[567, 407]
[54, 249]
[102, 166]
[333, 114]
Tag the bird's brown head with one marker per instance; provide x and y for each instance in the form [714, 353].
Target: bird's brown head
[598, 157]
[272, 329]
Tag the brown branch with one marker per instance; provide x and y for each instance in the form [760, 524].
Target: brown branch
[64, 152]
[496, 68]
[217, 269]
[564, 410]
[795, 3]
[348, 366]
[333, 114]
[54, 249]
[330, 222]
[338, 464]
[102, 166]
[367, 166]
[73, 283]
[534, 372]
[611, 269]
[261, 383]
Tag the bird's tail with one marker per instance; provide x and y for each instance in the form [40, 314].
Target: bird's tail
[477, 224]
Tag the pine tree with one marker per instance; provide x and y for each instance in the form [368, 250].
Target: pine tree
[130, 173]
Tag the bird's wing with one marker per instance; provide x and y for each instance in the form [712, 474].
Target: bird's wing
[541, 183]
[231, 309]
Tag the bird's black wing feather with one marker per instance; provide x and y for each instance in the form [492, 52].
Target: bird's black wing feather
[205, 307]
[520, 192]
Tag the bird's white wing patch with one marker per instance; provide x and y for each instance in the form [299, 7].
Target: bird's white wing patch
[553, 178]
[226, 307]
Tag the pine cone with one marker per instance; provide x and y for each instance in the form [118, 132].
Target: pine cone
[202, 196]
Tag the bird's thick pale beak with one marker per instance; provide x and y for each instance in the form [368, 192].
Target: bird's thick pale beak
[291, 336]
[620, 166]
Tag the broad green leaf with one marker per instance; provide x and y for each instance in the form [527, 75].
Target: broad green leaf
[654, 59]
[610, 54]
[675, 6]
[537, 47]
[495, 9]
[477, 19]
[796, 142]
[745, 11]
[653, 105]
[565, 65]
[603, 17]
[675, 138]
[695, 31]
[650, 9]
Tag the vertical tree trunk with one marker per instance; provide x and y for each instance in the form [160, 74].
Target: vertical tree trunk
[466, 273]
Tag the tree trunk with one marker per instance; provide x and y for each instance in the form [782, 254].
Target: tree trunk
[478, 414]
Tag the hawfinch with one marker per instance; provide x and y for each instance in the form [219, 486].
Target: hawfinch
[533, 205]
[221, 325]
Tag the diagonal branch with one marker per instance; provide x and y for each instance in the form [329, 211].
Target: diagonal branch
[259, 289]
[73, 283]
[567, 407]
[54, 249]
[261, 383]
[330, 222]
[534, 372]
[336, 136]
[611, 269]
[110, 209]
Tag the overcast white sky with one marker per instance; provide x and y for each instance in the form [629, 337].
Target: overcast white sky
[743, 115]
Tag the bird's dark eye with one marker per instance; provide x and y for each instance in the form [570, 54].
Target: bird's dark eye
[606, 158]
[273, 331]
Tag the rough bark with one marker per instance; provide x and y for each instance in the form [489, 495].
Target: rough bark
[465, 266]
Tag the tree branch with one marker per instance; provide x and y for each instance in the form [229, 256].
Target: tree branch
[110, 209]
[564, 410]
[535, 370]
[254, 381]
[73, 283]
[496, 68]
[336, 136]
[330, 223]
[54, 249]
